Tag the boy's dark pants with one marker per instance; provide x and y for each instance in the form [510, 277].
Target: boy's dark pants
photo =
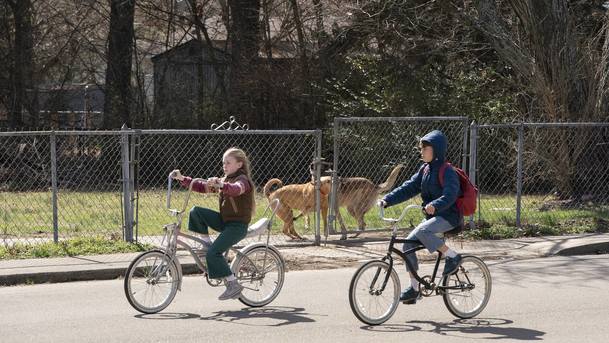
[200, 219]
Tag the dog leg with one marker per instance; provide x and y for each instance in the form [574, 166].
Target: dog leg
[285, 214]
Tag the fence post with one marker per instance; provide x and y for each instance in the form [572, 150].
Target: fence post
[317, 188]
[465, 152]
[133, 175]
[127, 209]
[334, 192]
[54, 186]
[519, 175]
[473, 159]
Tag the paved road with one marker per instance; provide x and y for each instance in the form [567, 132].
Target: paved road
[560, 299]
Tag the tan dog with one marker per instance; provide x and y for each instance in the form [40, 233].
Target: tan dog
[359, 195]
[298, 197]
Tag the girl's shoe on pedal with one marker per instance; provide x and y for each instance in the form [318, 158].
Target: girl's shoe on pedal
[233, 290]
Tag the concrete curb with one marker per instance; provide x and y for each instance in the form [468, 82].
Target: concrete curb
[588, 249]
[108, 273]
[343, 254]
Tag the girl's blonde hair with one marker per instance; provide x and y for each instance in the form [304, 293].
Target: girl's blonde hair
[240, 156]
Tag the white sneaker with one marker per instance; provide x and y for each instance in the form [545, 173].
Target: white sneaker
[233, 290]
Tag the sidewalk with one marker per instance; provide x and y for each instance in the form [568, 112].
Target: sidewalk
[331, 254]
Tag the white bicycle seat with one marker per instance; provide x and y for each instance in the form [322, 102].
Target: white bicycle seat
[258, 227]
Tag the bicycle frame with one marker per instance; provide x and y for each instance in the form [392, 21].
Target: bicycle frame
[431, 285]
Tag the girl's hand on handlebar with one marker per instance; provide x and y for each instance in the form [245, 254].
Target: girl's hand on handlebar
[214, 182]
[430, 209]
[381, 203]
[176, 175]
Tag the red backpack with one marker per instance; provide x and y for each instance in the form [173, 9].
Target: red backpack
[466, 203]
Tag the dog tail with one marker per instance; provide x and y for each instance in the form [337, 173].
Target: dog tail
[270, 184]
[387, 185]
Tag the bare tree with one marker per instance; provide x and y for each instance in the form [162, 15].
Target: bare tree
[244, 29]
[118, 97]
[561, 65]
[23, 92]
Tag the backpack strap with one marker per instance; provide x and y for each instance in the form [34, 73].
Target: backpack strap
[441, 172]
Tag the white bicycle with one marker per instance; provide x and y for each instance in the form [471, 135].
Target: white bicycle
[154, 277]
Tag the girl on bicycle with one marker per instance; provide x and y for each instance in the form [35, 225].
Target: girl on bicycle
[237, 205]
[439, 206]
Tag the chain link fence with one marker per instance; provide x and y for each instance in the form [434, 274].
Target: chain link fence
[61, 185]
[285, 155]
[368, 153]
[540, 177]
[112, 184]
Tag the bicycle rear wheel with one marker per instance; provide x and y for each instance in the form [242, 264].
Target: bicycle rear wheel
[151, 282]
[261, 272]
[368, 303]
[469, 289]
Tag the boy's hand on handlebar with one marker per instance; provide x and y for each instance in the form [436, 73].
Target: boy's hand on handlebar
[381, 203]
[430, 209]
[176, 175]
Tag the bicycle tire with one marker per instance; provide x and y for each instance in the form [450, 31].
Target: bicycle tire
[362, 292]
[474, 280]
[141, 282]
[260, 287]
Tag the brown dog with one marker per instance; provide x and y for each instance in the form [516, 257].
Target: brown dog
[299, 197]
[358, 195]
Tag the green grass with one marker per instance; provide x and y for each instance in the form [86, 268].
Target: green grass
[29, 214]
[70, 247]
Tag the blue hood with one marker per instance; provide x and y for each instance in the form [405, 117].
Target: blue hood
[439, 143]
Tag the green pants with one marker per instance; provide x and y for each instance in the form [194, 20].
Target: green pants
[200, 220]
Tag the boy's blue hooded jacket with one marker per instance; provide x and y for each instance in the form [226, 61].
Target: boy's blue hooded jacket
[428, 184]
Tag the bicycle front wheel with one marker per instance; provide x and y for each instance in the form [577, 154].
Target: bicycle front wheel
[151, 282]
[467, 292]
[370, 302]
[261, 272]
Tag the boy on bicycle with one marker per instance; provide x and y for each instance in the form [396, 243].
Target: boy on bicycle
[439, 205]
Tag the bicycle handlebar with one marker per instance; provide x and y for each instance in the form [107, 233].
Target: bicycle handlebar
[393, 220]
[169, 180]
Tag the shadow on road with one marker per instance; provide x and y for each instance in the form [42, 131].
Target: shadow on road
[282, 315]
[478, 328]
[168, 315]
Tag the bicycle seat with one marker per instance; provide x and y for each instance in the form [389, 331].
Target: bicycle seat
[451, 233]
[258, 227]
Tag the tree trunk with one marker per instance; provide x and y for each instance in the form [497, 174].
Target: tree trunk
[118, 72]
[305, 75]
[23, 68]
[244, 43]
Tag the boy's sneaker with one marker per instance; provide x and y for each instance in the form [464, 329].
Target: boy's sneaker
[233, 290]
[409, 296]
[451, 265]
